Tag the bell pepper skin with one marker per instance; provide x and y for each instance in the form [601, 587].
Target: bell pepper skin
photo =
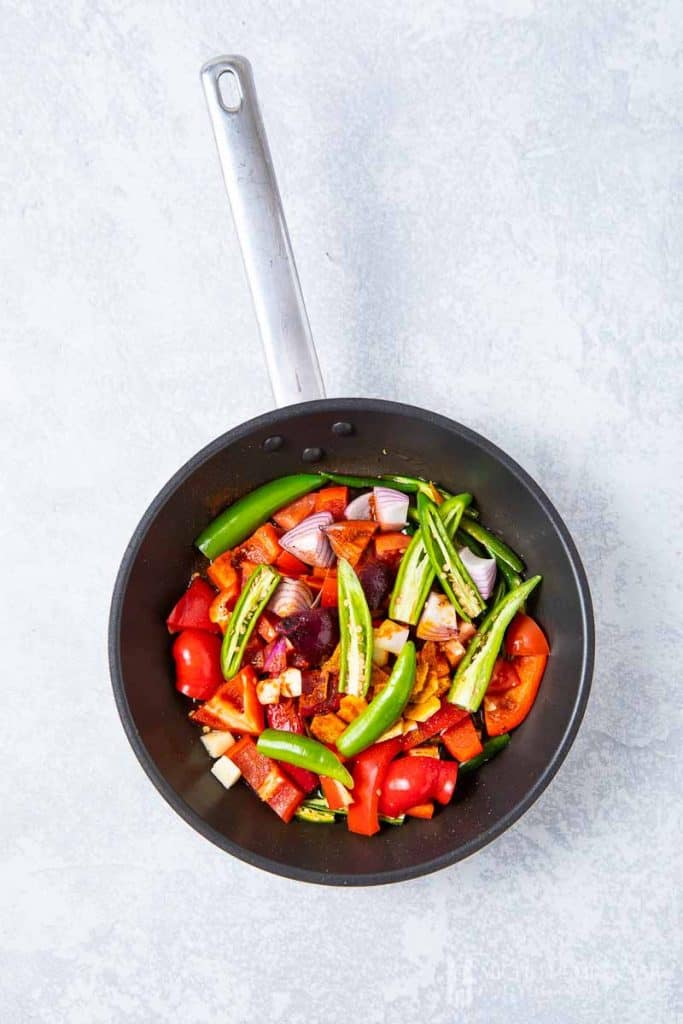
[385, 709]
[303, 752]
[290, 565]
[266, 778]
[424, 811]
[368, 775]
[448, 715]
[411, 781]
[196, 654]
[241, 518]
[505, 711]
[286, 717]
[333, 500]
[290, 516]
[337, 795]
[234, 706]
[223, 573]
[262, 547]
[462, 740]
[192, 610]
[473, 674]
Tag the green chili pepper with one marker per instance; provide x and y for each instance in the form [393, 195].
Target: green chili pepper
[473, 674]
[498, 594]
[494, 545]
[446, 562]
[512, 578]
[253, 599]
[315, 815]
[303, 752]
[244, 515]
[355, 630]
[318, 805]
[491, 748]
[415, 573]
[407, 484]
[385, 709]
[465, 541]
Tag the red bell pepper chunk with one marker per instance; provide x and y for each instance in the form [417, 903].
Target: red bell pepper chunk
[333, 500]
[421, 811]
[266, 777]
[263, 547]
[462, 740]
[223, 573]
[192, 610]
[408, 782]
[286, 717]
[337, 795]
[369, 771]
[390, 547]
[350, 538]
[328, 597]
[445, 783]
[293, 514]
[290, 565]
[444, 718]
[234, 705]
[197, 657]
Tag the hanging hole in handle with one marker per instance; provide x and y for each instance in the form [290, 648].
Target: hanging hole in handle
[229, 92]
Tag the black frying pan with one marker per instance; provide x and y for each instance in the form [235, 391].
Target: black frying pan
[360, 436]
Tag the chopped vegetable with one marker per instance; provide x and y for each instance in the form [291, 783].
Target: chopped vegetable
[313, 633]
[289, 597]
[443, 719]
[216, 742]
[505, 711]
[303, 752]
[244, 515]
[438, 620]
[226, 771]
[223, 573]
[333, 500]
[350, 538]
[491, 748]
[308, 542]
[359, 508]
[391, 508]
[252, 601]
[493, 544]
[355, 625]
[474, 671]
[390, 547]
[262, 547]
[266, 778]
[411, 781]
[384, 709]
[462, 740]
[289, 517]
[446, 562]
[290, 565]
[197, 657]
[368, 776]
[234, 705]
[193, 609]
[524, 636]
[482, 571]
[375, 579]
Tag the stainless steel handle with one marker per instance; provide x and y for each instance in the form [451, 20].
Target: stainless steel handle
[262, 231]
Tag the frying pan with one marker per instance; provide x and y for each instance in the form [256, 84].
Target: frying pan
[353, 435]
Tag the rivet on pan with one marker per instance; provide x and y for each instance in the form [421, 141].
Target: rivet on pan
[312, 454]
[273, 444]
[342, 428]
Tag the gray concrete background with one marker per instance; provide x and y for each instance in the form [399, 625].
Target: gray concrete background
[482, 200]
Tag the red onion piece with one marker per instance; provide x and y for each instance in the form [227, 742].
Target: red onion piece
[308, 543]
[290, 596]
[391, 508]
[482, 570]
[275, 657]
[438, 620]
[359, 508]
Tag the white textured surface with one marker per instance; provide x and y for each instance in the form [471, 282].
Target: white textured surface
[483, 187]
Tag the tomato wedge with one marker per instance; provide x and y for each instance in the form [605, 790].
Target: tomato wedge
[505, 711]
[234, 706]
[525, 637]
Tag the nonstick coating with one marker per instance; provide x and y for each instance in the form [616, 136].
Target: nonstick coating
[386, 438]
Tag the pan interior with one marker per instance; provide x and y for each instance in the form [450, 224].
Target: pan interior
[384, 438]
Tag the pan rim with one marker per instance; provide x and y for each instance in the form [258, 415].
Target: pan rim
[391, 875]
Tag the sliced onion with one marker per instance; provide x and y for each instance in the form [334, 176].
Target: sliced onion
[275, 656]
[290, 596]
[359, 508]
[438, 620]
[482, 570]
[391, 508]
[307, 541]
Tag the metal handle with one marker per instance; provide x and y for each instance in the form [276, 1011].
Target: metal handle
[262, 231]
